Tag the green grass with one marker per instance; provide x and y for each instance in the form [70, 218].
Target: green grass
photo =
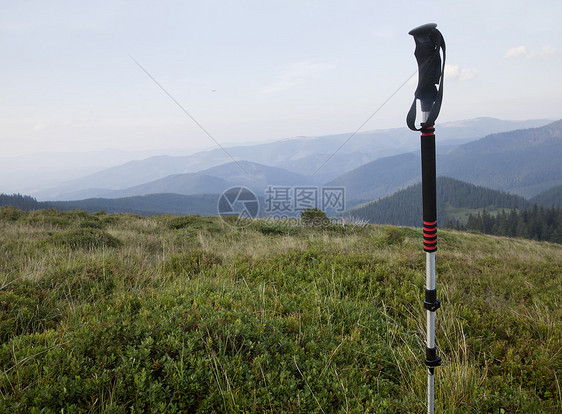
[121, 314]
[460, 214]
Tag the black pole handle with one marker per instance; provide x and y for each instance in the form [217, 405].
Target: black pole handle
[429, 44]
[429, 189]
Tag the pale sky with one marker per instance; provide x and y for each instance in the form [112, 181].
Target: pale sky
[259, 70]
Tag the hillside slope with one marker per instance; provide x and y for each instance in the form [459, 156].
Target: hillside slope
[256, 176]
[184, 184]
[404, 207]
[549, 198]
[524, 162]
[122, 313]
[381, 177]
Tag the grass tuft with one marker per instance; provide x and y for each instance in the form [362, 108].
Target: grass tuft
[84, 238]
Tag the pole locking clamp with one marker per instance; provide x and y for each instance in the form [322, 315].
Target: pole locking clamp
[431, 303]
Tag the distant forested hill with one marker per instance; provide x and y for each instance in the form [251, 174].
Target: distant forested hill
[23, 202]
[454, 197]
[537, 223]
[149, 205]
[549, 198]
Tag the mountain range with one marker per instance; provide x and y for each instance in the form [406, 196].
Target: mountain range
[524, 162]
[305, 161]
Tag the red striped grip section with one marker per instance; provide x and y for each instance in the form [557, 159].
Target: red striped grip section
[430, 236]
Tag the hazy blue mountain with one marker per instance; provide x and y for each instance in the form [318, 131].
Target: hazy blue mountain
[380, 177]
[454, 197]
[333, 154]
[35, 171]
[185, 184]
[523, 162]
[87, 193]
[217, 179]
[256, 176]
[325, 157]
[211, 181]
[120, 177]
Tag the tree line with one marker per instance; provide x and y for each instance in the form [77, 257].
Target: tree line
[404, 208]
[537, 223]
[23, 202]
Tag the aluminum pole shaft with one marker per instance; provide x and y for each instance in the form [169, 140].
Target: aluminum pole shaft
[430, 285]
[430, 246]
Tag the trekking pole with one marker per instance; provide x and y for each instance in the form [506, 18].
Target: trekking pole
[429, 44]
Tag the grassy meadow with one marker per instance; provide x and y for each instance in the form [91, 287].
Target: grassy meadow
[126, 314]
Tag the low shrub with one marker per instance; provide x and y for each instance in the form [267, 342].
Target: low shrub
[188, 320]
[183, 222]
[10, 213]
[276, 227]
[93, 224]
[314, 217]
[393, 236]
[25, 308]
[191, 263]
[84, 238]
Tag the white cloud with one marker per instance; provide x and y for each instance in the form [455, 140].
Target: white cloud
[452, 71]
[516, 51]
[456, 73]
[40, 126]
[296, 74]
[543, 52]
[522, 51]
[467, 74]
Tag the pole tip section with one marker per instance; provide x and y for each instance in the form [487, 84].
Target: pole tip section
[424, 28]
